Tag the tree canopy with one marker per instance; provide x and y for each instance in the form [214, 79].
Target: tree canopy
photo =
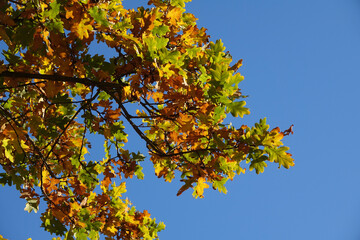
[171, 84]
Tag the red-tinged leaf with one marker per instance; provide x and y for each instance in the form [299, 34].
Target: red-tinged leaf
[53, 88]
[182, 189]
[113, 114]
[289, 131]
[172, 85]
[237, 65]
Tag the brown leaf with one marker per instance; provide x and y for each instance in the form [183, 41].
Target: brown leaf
[289, 131]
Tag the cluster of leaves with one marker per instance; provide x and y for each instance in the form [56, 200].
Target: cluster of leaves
[54, 92]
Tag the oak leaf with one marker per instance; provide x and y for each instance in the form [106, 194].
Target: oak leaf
[89, 71]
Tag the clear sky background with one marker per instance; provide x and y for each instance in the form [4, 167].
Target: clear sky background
[301, 67]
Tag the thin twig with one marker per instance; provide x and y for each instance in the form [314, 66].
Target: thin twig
[67, 125]
[80, 154]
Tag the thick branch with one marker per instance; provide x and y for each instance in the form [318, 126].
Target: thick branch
[59, 78]
[106, 86]
[23, 85]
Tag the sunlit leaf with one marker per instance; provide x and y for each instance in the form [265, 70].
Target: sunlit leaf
[76, 74]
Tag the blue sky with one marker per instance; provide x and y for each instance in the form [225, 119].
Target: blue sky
[301, 67]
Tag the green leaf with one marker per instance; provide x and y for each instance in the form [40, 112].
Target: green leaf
[279, 155]
[261, 127]
[56, 26]
[154, 44]
[103, 96]
[53, 225]
[258, 164]
[117, 191]
[219, 185]
[99, 16]
[236, 79]
[217, 47]
[94, 235]
[192, 52]
[219, 142]
[5, 179]
[237, 109]
[161, 226]
[219, 113]
[54, 11]
[11, 57]
[26, 29]
[178, 3]
[161, 30]
[220, 73]
[117, 131]
[80, 234]
[161, 42]
[138, 172]
[172, 57]
[138, 157]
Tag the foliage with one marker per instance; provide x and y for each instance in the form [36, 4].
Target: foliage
[54, 93]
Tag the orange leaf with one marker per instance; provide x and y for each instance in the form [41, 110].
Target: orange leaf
[113, 114]
[174, 15]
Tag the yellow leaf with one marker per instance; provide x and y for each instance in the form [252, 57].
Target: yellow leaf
[166, 71]
[8, 150]
[158, 168]
[112, 229]
[273, 138]
[127, 92]
[43, 6]
[174, 15]
[199, 188]
[117, 191]
[157, 96]
[82, 29]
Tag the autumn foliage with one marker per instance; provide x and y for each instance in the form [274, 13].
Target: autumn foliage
[55, 92]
